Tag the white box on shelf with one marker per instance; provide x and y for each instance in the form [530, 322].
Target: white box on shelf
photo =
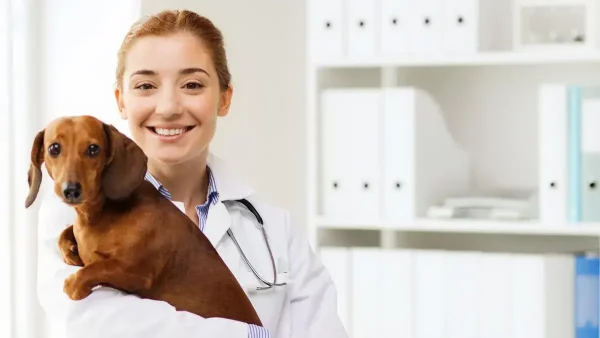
[362, 28]
[350, 155]
[326, 28]
[545, 25]
[421, 161]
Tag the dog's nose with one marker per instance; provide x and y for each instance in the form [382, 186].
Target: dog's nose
[72, 191]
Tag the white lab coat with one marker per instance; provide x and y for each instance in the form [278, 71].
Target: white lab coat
[305, 308]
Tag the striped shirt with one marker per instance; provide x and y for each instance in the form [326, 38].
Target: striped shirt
[212, 197]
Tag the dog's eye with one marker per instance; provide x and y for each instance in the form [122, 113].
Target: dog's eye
[54, 149]
[93, 150]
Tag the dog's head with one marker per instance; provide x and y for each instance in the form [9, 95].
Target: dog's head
[85, 157]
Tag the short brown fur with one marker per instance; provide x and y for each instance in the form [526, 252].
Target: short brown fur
[126, 234]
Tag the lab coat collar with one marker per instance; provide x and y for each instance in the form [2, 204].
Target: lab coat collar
[230, 187]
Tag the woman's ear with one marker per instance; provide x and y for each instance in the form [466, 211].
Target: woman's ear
[34, 175]
[119, 100]
[225, 101]
[126, 165]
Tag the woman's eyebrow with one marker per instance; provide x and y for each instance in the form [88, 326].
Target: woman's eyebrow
[187, 71]
[143, 72]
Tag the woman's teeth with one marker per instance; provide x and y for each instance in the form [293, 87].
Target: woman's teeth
[169, 132]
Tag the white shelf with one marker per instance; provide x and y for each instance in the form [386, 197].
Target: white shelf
[479, 59]
[472, 227]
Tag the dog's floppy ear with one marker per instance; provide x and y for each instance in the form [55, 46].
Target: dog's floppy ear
[126, 165]
[34, 175]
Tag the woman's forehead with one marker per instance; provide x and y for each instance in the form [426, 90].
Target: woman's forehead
[165, 54]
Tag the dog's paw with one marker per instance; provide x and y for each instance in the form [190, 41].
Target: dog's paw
[70, 255]
[75, 290]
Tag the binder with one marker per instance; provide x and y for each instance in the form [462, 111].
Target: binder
[460, 26]
[367, 274]
[430, 288]
[426, 25]
[462, 291]
[396, 297]
[338, 262]
[590, 159]
[395, 28]
[336, 156]
[326, 28]
[350, 156]
[362, 26]
[495, 301]
[586, 297]
[553, 161]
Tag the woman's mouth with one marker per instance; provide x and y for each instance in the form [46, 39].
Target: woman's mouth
[170, 131]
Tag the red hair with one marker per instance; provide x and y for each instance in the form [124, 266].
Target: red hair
[175, 21]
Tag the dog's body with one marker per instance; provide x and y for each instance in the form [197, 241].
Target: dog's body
[126, 234]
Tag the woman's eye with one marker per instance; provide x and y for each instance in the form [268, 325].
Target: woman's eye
[145, 86]
[93, 150]
[54, 149]
[193, 85]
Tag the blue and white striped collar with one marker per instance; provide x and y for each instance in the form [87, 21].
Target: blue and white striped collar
[212, 195]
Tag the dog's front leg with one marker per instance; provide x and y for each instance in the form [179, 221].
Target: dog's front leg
[110, 272]
[68, 247]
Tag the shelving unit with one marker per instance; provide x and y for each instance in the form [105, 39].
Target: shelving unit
[509, 278]
[505, 78]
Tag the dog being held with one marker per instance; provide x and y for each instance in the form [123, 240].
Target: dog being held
[126, 234]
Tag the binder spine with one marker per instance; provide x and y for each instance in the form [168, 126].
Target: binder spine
[586, 296]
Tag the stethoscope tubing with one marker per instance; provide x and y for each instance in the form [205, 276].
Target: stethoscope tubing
[259, 219]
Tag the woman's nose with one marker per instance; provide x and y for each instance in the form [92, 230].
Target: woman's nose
[168, 104]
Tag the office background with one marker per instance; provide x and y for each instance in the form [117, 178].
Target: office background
[439, 153]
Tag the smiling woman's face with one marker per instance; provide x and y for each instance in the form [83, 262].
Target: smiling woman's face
[171, 97]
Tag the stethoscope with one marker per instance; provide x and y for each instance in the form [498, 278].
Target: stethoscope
[264, 233]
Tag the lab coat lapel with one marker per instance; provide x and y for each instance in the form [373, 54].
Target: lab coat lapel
[217, 223]
[229, 188]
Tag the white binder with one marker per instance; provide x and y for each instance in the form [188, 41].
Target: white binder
[336, 156]
[338, 261]
[326, 28]
[426, 27]
[367, 274]
[553, 162]
[362, 27]
[590, 159]
[396, 293]
[422, 163]
[430, 287]
[460, 26]
[495, 300]
[395, 27]
[461, 271]
[542, 296]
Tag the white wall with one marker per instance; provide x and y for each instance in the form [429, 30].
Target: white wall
[264, 135]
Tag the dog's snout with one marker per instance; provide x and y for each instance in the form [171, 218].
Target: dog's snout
[72, 191]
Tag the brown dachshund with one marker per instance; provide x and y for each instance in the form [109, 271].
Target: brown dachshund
[126, 234]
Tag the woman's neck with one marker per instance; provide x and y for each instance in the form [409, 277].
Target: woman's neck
[186, 182]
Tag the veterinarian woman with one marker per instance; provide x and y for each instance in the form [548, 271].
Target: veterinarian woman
[173, 83]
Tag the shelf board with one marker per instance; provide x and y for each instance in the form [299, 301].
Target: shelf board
[471, 227]
[478, 59]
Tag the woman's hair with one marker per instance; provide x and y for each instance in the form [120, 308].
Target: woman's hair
[175, 21]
